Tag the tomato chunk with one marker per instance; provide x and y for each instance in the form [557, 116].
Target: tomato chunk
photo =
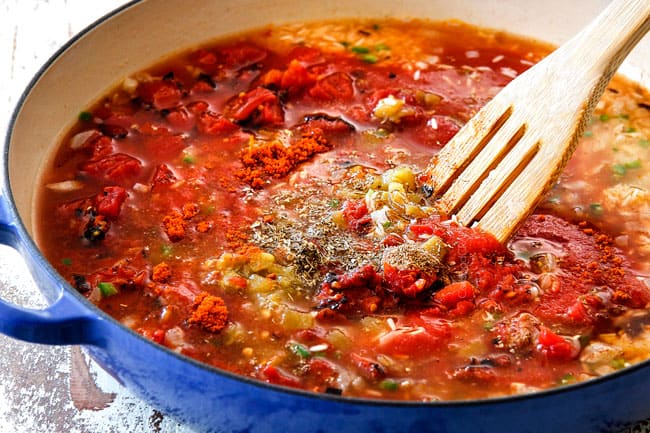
[109, 202]
[118, 168]
[334, 87]
[454, 293]
[278, 376]
[556, 347]
[162, 94]
[257, 100]
[416, 337]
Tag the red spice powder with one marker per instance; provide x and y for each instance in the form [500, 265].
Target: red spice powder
[209, 312]
[275, 160]
[174, 226]
[161, 273]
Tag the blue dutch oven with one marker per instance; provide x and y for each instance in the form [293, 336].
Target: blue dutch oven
[209, 399]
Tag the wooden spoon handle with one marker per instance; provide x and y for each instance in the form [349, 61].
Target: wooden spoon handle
[600, 48]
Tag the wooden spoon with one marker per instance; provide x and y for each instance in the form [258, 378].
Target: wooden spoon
[498, 167]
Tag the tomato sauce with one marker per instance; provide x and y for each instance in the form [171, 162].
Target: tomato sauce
[255, 204]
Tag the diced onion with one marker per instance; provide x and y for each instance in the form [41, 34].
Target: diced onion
[141, 188]
[129, 85]
[391, 109]
[65, 186]
[79, 139]
[318, 347]
[175, 337]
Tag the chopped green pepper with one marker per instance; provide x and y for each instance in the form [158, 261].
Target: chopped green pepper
[300, 350]
[596, 208]
[567, 379]
[107, 289]
[335, 202]
[85, 116]
[166, 250]
[369, 58]
[634, 164]
[389, 385]
[360, 50]
[621, 169]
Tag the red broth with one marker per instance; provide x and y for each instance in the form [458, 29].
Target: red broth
[256, 204]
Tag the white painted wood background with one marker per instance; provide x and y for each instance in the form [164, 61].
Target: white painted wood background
[36, 381]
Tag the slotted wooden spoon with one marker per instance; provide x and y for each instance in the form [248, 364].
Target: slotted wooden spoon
[498, 167]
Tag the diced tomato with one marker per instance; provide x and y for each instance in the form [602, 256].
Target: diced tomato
[578, 313]
[464, 241]
[183, 293]
[408, 282]
[334, 87]
[158, 336]
[329, 126]
[113, 130]
[421, 231]
[416, 337]
[245, 107]
[440, 130]
[272, 78]
[118, 168]
[74, 208]
[270, 114]
[322, 369]
[306, 55]
[162, 94]
[123, 276]
[99, 145]
[203, 86]
[164, 146]
[368, 368]
[205, 59]
[555, 347]
[296, 77]
[356, 215]
[452, 294]
[149, 128]
[241, 55]
[392, 240]
[197, 107]
[278, 376]
[180, 118]
[163, 176]
[109, 202]
[214, 124]
[237, 281]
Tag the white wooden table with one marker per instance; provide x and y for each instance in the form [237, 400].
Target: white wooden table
[47, 389]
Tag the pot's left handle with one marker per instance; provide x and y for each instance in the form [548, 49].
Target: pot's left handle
[65, 321]
[62, 322]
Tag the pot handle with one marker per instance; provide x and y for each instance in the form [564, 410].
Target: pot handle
[64, 321]
[61, 323]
